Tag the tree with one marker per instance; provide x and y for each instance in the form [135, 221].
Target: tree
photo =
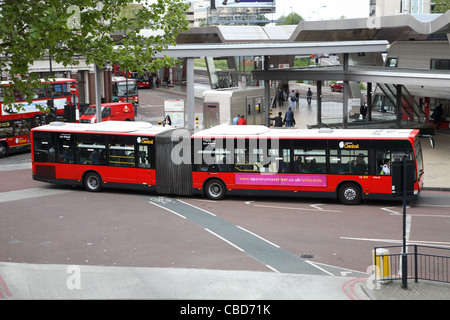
[66, 30]
[441, 6]
[292, 18]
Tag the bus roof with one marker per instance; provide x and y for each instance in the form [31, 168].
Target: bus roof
[285, 133]
[120, 78]
[55, 80]
[125, 127]
[112, 104]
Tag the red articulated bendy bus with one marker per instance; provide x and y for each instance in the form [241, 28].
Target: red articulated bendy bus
[350, 165]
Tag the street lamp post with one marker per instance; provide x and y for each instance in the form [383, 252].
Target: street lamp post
[318, 12]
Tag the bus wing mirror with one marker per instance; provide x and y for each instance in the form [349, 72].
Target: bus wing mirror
[430, 137]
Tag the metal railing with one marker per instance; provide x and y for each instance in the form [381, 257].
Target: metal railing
[423, 262]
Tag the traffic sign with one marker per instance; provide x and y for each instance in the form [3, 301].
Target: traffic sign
[73, 89]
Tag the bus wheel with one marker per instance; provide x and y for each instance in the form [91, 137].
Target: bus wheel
[215, 189]
[350, 193]
[92, 182]
[3, 150]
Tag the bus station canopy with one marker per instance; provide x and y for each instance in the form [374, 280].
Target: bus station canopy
[390, 28]
[387, 75]
[344, 36]
[272, 48]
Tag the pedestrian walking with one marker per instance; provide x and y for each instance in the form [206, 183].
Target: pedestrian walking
[292, 98]
[297, 98]
[289, 118]
[363, 110]
[280, 97]
[437, 116]
[309, 96]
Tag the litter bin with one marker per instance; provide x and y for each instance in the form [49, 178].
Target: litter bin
[381, 260]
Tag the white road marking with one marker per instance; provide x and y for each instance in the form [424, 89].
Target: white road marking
[321, 269]
[273, 244]
[301, 209]
[222, 238]
[210, 213]
[388, 209]
[272, 268]
[167, 209]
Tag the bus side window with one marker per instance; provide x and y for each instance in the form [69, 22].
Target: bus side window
[91, 149]
[66, 152]
[6, 129]
[57, 90]
[44, 147]
[121, 155]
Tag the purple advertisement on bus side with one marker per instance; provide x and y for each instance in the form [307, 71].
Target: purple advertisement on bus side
[282, 180]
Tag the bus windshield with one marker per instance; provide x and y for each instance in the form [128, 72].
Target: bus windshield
[121, 88]
[419, 158]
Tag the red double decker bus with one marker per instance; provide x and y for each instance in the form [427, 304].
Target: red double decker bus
[144, 81]
[17, 119]
[350, 165]
[125, 90]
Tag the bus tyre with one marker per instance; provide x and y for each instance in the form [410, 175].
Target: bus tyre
[350, 193]
[3, 150]
[215, 189]
[92, 182]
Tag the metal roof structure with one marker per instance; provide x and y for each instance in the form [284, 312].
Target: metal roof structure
[431, 78]
[191, 51]
[390, 28]
[346, 36]
[270, 48]
[233, 34]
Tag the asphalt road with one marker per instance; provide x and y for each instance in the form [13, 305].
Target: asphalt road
[43, 223]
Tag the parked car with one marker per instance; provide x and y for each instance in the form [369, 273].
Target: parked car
[338, 86]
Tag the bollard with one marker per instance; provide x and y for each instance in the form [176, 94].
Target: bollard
[159, 122]
[382, 264]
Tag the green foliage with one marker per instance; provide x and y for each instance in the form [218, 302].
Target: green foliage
[30, 30]
[292, 18]
[301, 62]
[441, 6]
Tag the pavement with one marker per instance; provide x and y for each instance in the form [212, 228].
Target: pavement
[20, 281]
